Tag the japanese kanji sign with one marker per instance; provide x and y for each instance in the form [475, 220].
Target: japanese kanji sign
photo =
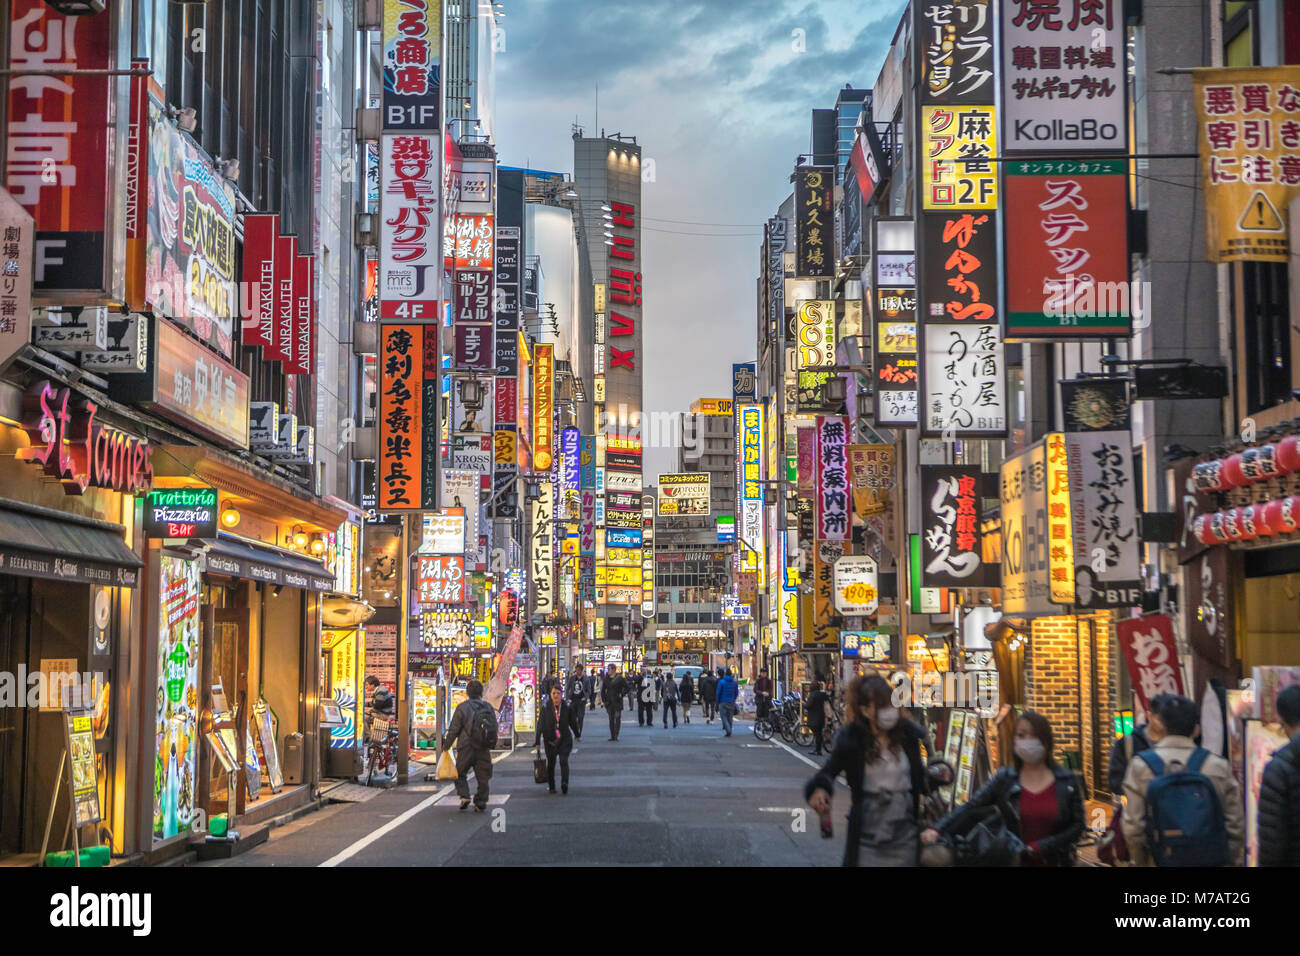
[964, 389]
[1067, 238]
[814, 214]
[541, 550]
[440, 578]
[408, 417]
[412, 37]
[1151, 656]
[751, 486]
[17, 233]
[960, 281]
[956, 142]
[1249, 143]
[410, 255]
[895, 370]
[543, 409]
[1063, 77]
[951, 512]
[833, 488]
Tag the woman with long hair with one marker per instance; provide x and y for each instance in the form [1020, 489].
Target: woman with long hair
[1041, 801]
[879, 752]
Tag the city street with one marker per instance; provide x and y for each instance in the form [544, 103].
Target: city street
[683, 797]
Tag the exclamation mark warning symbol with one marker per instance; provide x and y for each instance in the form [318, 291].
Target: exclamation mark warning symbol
[1260, 215]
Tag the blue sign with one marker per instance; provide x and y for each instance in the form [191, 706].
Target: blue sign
[744, 382]
[619, 538]
[569, 443]
[726, 528]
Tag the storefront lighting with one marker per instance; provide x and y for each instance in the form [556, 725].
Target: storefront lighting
[299, 537]
[229, 515]
[317, 544]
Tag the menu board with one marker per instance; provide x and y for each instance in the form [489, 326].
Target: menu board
[252, 769]
[424, 704]
[81, 762]
[270, 755]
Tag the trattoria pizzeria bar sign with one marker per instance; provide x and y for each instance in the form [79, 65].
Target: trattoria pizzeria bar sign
[69, 445]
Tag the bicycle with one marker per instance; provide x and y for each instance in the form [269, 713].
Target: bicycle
[381, 748]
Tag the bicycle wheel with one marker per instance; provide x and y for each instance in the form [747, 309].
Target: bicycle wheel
[762, 728]
[803, 736]
[787, 731]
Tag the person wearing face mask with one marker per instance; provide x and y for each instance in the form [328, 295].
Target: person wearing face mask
[879, 752]
[1044, 801]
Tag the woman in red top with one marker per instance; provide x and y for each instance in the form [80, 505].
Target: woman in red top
[1044, 801]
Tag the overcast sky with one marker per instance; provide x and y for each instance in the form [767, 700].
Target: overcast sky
[719, 98]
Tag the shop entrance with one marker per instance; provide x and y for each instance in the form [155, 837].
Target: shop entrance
[48, 621]
[225, 666]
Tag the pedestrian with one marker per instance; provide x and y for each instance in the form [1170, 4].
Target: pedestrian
[1279, 793]
[687, 694]
[1042, 800]
[1161, 825]
[818, 704]
[668, 691]
[473, 733]
[762, 695]
[557, 727]
[614, 690]
[879, 752]
[578, 696]
[1122, 753]
[589, 688]
[708, 695]
[727, 692]
[633, 692]
[649, 700]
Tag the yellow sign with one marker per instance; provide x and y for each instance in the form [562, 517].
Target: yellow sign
[1249, 141]
[1060, 537]
[950, 135]
[712, 406]
[816, 330]
[815, 616]
[607, 576]
[506, 444]
[600, 296]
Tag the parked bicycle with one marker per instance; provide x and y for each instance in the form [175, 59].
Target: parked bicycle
[381, 744]
[784, 717]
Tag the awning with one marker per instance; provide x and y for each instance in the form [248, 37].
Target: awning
[238, 559]
[38, 542]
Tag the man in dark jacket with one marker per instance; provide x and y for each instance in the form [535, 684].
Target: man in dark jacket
[1279, 792]
[708, 695]
[613, 692]
[816, 711]
[727, 691]
[1125, 749]
[557, 726]
[468, 755]
[578, 695]
[686, 691]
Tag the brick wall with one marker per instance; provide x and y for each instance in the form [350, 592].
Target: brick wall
[1076, 695]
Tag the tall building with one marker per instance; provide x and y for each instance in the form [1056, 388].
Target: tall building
[852, 108]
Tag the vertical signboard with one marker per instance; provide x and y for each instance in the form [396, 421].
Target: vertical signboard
[411, 60]
[541, 551]
[60, 147]
[816, 328]
[951, 543]
[543, 407]
[260, 235]
[776, 243]
[1067, 268]
[832, 512]
[410, 250]
[1037, 547]
[751, 487]
[18, 232]
[1063, 88]
[177, 719]
[814, 197]
[409, 442]
[895, 370]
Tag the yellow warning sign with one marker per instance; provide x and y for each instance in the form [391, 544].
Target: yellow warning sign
[1260, 215]
[1249, 143]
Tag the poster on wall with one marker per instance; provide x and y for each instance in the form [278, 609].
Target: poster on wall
[190, 250]
[1261, 741]
[178, 705]
[523, 695]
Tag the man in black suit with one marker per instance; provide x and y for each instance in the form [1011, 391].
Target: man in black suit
[557, 726]
[612, 694]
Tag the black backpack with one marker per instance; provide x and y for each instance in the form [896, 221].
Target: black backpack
[483, 726]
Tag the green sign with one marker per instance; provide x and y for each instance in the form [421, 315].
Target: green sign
[181, 513]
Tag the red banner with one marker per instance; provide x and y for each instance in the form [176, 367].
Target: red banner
[1151, 656]
[302, 357]
[440, 578]
[280, 348]
[260, 239]
[507, 401]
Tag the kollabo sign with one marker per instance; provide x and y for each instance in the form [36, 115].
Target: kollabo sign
[181, 513]
[69, 446]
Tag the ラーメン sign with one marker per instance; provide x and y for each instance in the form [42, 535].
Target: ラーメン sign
[856, 585]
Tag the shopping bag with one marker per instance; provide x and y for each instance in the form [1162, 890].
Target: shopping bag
[447, 767]
[539, 767]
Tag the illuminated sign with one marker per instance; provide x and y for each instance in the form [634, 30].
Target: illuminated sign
[181, 513]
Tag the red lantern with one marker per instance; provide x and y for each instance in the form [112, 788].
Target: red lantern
[1288, 453]
[1201, 527]
[508, 609]
[1252, 518]
[1260, 463]
[1282, 515]
[1208, 476]
[1232, 473]
[1232, 524]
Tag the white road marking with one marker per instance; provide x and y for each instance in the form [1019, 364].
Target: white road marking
[344, 855]
[790, 750]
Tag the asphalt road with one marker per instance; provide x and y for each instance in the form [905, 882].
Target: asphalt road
[678, 797]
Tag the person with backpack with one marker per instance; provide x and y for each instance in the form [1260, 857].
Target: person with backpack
[708, 695]
[686, 691]
[727, 693]
[1279, 792]
[613, 691]
[1181, 802]
[668, 691]
[1040, 801]
[578, 696]
[473, 733]
[557, 727]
